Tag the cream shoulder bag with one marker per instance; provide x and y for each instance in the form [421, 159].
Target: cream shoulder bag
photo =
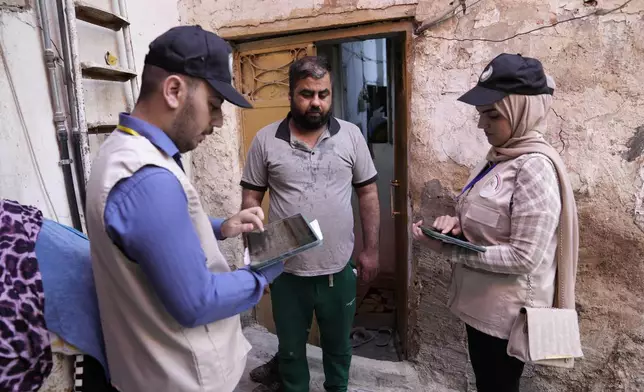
[546, 336]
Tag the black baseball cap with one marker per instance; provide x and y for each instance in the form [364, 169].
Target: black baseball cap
[508, 74]
[193, 51]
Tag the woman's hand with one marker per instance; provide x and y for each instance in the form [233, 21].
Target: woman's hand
[431, 243]
[448, 225]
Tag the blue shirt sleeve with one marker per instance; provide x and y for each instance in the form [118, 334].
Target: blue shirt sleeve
[216, 227]
[146, 216]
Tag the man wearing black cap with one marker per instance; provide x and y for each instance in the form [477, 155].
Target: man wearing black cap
[168, 301]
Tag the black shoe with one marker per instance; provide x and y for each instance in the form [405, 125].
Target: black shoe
[275, 386]
[266, 373]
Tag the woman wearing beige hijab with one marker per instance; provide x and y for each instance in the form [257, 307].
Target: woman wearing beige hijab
[518, 204]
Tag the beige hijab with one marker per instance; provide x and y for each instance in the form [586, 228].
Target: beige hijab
[527, 116]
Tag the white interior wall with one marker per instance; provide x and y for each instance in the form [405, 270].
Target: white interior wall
[22, 43]
[363, 62]
[28, 154]
[366, 62]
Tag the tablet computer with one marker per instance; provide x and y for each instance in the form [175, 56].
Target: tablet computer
[280, 240]
[448, 239]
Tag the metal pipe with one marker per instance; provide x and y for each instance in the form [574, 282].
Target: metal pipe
[71, 100]
[59, 115]
[129, 52]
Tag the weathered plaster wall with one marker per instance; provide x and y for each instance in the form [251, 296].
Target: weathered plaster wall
[250, 18]
[597, 123]
[216, 172]
[216, 168]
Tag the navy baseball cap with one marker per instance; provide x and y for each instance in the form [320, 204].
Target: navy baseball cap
[193, 51]
[508, 74]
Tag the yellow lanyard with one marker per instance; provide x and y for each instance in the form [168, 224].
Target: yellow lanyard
[127, 130]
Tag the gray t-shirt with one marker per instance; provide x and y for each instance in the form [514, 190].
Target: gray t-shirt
[317, 183]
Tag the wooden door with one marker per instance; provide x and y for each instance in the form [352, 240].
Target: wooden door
[262, 76]
[399, 48]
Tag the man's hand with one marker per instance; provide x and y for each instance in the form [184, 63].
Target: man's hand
[368, 265]
[431, 243]
[244, 221]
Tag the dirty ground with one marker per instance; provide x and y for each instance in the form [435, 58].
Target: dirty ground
[367, 375]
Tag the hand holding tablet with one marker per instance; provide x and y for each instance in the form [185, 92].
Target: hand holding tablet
[280, 240]
[432, 233]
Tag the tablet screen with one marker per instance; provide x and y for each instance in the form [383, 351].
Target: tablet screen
[435, 234]
[280, 239]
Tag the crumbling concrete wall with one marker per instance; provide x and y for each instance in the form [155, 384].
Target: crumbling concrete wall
[256, 18]
[597, 123]
[216, 172]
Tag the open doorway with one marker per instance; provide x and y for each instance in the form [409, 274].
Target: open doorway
[364, 86]
[370, 90]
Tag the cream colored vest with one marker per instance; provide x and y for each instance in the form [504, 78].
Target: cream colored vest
[487, 301]
[147, 349]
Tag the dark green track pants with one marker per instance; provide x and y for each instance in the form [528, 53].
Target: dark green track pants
[294, 299]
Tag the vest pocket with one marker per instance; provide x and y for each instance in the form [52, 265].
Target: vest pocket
[206, 357]
[486, 296]
[230, 346]
[483, 215]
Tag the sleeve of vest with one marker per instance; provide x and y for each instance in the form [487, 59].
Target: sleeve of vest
[149, 217]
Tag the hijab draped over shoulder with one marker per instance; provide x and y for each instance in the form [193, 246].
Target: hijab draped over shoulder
[527, 116]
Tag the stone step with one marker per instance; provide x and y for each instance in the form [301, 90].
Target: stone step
[366, 375]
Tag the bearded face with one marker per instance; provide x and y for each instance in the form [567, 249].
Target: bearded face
[311, 103]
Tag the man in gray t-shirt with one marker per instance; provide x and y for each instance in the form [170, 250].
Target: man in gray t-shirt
[312, 162]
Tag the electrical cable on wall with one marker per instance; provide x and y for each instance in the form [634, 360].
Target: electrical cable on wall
[25, 131]
[362, 56]
[445, 16]
[452, 13]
